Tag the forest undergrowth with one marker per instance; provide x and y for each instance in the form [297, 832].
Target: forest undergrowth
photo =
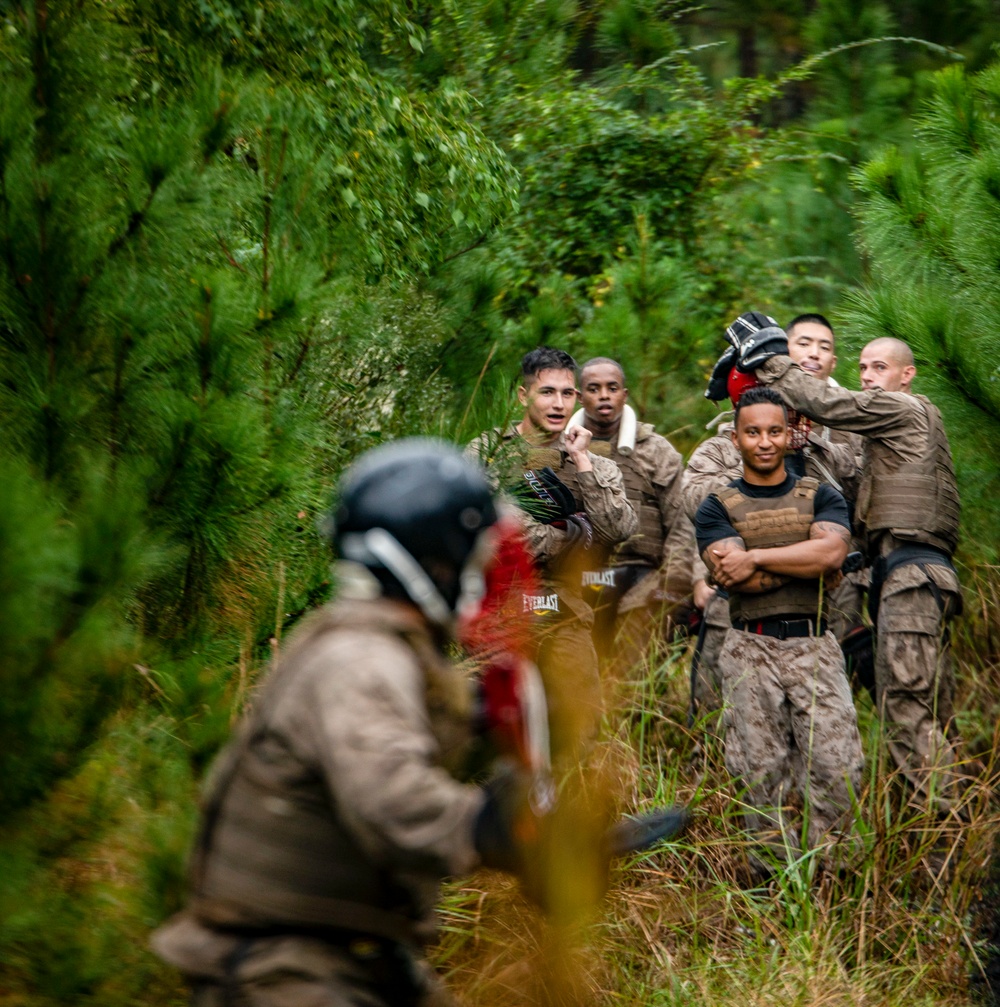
[91, 871]
[910, 917]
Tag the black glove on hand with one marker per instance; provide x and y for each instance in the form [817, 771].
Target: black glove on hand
[544, 496]
[508, 828]
[579, 531]
[718, 383]
[757, 338]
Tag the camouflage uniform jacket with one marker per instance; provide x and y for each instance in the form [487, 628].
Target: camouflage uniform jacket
[337, 804]
[505, 453]
[653, 474]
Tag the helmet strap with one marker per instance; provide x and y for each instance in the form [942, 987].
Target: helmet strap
[378, 546]
[355, 580]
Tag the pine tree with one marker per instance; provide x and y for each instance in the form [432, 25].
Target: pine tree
[178, 232]
[930, 230]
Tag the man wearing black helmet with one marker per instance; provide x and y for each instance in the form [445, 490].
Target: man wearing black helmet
[332, 816]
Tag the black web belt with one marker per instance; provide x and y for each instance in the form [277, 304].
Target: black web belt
[782, 628]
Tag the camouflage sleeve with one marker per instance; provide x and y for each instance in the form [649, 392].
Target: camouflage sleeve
[709, 470]
[896, 419]
[603, 490]
[835, 463]
[678, 541]
[378, 756]
[545, 541]
[698, 569]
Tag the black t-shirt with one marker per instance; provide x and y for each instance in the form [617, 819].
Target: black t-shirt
[711, 523]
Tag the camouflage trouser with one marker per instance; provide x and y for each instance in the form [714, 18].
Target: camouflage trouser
[567, 661]
[914, 680]
[790, 727]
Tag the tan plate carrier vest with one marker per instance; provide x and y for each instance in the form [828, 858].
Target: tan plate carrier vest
[764, 523]
[645, 547]
[914, 501]
[272, 852]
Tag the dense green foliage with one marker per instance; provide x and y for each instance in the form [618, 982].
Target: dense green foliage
[931, 227]
[240, 242]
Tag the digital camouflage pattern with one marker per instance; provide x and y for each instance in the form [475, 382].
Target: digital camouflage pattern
[791, 734]
[915, 681]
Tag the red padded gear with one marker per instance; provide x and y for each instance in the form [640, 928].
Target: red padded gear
[501, 625]
[738, 383]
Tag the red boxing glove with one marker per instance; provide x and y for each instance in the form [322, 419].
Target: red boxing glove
[512, 710]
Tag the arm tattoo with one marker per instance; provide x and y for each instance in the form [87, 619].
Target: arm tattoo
[818, 528]
[725, 545]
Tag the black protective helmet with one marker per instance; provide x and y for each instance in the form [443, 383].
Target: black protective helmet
[413, 512]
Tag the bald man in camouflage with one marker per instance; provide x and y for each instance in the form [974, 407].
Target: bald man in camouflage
[908, 513]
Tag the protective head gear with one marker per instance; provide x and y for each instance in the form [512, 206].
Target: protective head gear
[737, 383]
[716, 390]
[757, 337]
[501, 625]
[799, 426]
[417, 515]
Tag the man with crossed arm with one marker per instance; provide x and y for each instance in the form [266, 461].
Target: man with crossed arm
[769, 539]
[908, 513]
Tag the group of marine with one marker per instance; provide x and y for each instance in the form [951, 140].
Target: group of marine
[768, 499]
[337, 809]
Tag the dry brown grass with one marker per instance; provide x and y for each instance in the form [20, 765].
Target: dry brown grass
[685, 923]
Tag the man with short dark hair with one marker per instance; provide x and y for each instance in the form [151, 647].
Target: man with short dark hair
[819, 452]
[647, 579]
[908, 513]
[572, 502]
[769, 539]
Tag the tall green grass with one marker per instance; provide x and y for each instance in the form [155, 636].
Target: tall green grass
[899, 922]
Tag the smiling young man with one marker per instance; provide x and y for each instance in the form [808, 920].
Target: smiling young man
[829, 456]
[908, 513]
[573, 505]
[769, 539]
[647, 579]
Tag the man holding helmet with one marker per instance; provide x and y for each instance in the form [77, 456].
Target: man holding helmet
[813, 451]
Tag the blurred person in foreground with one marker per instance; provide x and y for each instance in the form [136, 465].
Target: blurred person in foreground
[340, 805]
[770, 539]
